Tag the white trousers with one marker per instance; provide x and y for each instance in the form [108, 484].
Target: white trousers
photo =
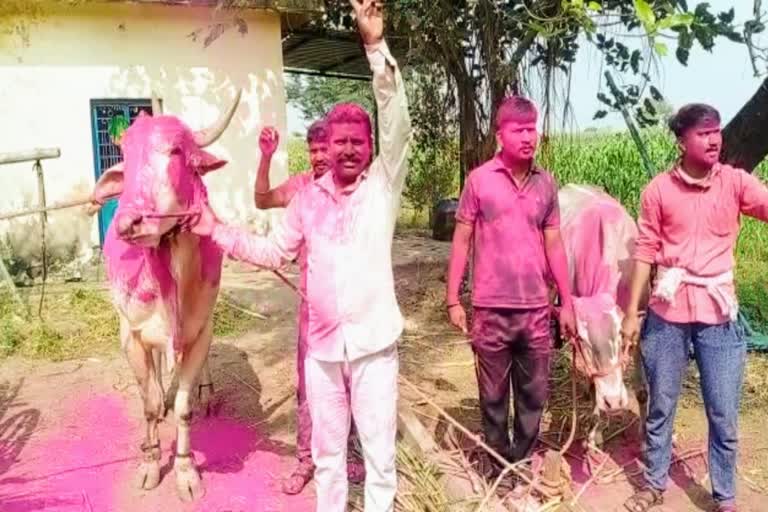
[373, 395]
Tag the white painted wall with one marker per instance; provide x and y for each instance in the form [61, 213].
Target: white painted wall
[126, 51]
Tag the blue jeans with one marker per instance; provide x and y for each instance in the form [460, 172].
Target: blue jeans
[720, 354]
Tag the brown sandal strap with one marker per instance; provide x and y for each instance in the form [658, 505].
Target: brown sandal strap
[643, 500]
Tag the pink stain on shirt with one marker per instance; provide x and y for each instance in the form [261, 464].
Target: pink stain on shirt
[347, 233]
[510, 263]
[695, 227]
[290, 188]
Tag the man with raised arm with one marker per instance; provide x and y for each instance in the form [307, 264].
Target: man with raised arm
[346, 220]
[279, 197]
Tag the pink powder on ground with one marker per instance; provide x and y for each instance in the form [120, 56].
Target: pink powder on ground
[86, 461]
[74, 467]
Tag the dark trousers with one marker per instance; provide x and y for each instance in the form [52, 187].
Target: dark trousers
[512, 347]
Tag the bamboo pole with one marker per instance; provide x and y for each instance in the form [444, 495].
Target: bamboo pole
[55, 206]
[38, 168]
[33, 155]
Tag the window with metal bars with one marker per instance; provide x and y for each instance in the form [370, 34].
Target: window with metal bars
[108, 116]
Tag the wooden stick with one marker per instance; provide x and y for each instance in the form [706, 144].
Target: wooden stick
[290, 284]
[243, 310]
[32, 155]
[55, 206]
[474, 438]
[241, 381]
[589, 482]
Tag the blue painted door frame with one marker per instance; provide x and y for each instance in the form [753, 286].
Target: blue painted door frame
[105, 152]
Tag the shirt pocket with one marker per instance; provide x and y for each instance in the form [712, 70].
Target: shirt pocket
[722, 216]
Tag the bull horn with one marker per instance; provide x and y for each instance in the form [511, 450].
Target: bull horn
[208, 136]
[157, 106]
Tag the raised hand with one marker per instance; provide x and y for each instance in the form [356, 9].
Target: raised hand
[370, 20]
[268, 141]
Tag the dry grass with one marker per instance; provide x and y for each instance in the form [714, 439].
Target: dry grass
[418, 486]
[420, 292]
[79, 321]
[75, 322]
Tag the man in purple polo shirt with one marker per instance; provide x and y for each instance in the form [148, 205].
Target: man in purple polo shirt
[509, 211]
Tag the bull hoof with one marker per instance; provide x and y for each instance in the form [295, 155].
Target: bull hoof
[188, 483]
[148, 476]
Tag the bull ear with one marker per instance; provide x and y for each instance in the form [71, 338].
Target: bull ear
[204, 162]
[109, 185]
[209, 166]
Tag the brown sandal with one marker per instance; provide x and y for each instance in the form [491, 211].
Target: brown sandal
[300, 477]
[644, 499]
[726, 507]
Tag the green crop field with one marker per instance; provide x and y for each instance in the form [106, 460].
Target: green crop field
[612, 161]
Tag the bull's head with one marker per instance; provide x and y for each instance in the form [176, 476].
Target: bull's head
[598, 321]
[159, 180]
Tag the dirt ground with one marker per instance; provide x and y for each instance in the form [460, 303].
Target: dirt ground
[70, 431]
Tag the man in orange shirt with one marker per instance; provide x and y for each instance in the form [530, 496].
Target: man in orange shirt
[689, 223]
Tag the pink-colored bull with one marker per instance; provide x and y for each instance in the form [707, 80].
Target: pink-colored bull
[599, 237]
[164, 282]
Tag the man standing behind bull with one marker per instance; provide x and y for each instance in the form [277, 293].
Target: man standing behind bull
[688, 226]
[279, 197]
[510, 212]
[346, 221]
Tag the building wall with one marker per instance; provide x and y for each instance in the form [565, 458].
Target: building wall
[127, 51]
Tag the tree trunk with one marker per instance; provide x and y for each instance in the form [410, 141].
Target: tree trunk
[469, 132]
[745, 139]
[475, 147]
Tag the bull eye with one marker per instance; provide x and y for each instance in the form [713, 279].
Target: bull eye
[176, 150]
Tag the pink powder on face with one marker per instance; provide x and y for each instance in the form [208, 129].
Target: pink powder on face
[518, 140]
[350, 150]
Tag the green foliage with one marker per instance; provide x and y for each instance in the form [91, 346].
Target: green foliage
[433, 174]
[117, 126]
[480, 51]
[298, 158]
[611, 161]
[81, 322]
[315, 95]
[669, 19]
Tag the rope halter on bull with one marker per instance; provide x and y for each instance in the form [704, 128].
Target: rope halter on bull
[589, 369]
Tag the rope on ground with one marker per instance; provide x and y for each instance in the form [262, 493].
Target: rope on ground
[245, 311]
